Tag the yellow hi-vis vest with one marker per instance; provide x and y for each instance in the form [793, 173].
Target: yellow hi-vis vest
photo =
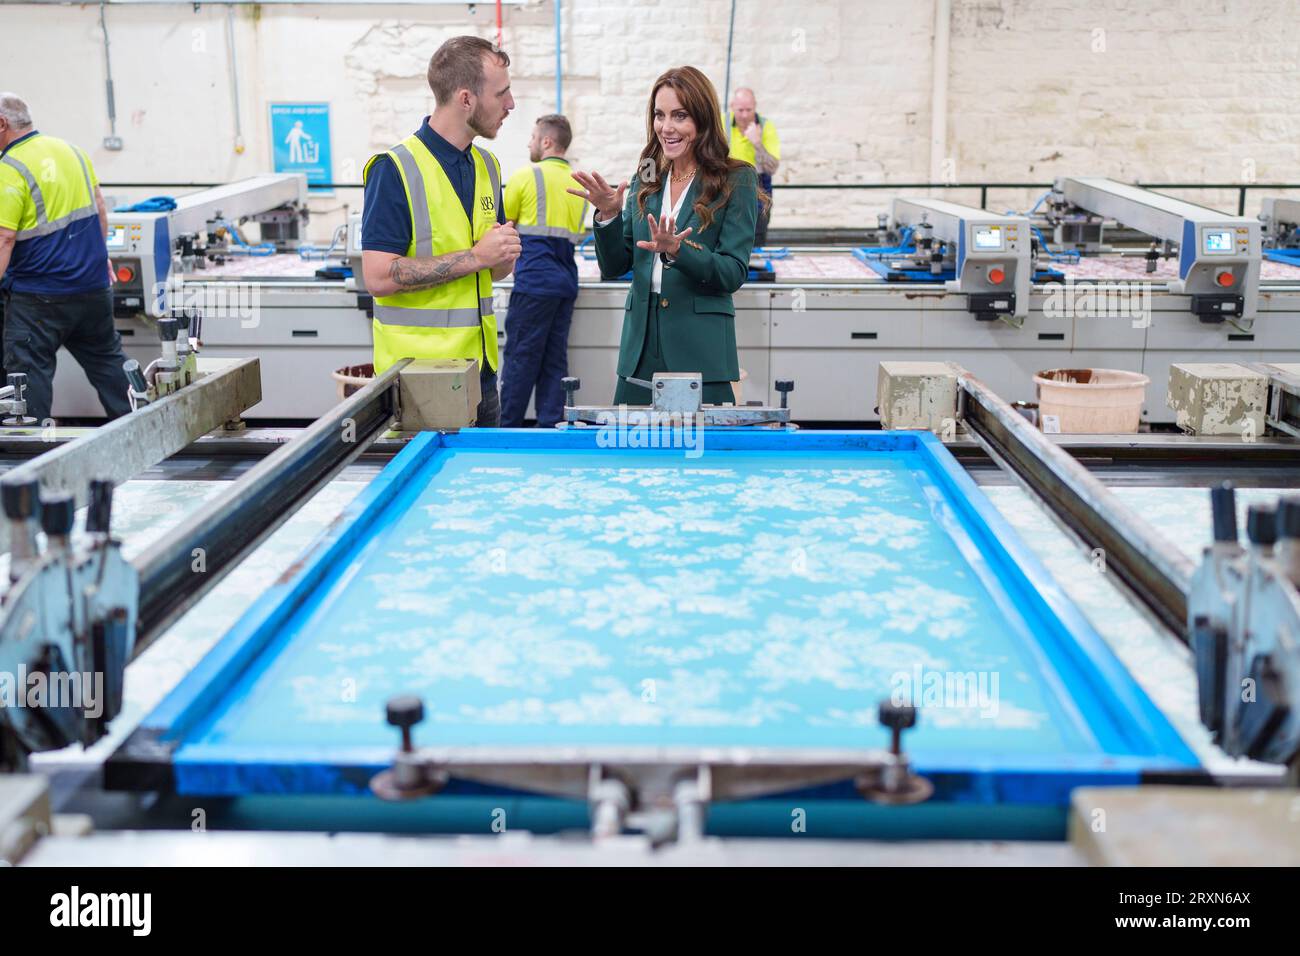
[743, 150]
[453, 320]
[538, 200]
[59, 182]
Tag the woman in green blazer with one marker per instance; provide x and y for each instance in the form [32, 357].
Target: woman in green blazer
[686, 234]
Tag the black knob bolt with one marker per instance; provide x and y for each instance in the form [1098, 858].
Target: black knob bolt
[897, 717]
[1288, 517]
[18, 382]
[57, 514]
[21, 499]
[1223, 506]
[1261, 525]
[135, 376]
[167, 330]
[100, 513]
[405, 712]
[785, 387]
[571, 386]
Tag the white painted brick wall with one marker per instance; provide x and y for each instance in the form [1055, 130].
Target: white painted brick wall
[1148, 90]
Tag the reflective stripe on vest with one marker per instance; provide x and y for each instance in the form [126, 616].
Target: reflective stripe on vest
[420, 220]
[44, 225]
[541, 229]
[494, 177]
[434, 318]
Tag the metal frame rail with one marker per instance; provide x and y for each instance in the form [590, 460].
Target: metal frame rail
[238, 520]
[1158, 574]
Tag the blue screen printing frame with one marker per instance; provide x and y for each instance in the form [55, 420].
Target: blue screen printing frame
[1135, 741]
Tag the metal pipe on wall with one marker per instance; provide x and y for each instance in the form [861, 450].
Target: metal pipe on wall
[726, 86]
[559, 61]
[111, 141]
[234, 79]
[939, 94]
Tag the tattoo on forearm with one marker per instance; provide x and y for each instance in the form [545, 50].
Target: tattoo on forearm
[414, 274]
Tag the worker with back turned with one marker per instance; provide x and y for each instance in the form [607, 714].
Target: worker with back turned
[434, 235]
[54, 264]
[549, 220]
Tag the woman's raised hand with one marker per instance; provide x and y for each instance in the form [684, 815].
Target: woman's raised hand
[663, 235]
[607, 199]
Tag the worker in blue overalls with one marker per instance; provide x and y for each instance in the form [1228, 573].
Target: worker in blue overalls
[54, 266]
[549, 220]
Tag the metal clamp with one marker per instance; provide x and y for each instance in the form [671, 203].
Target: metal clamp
[675, 398]
[1243, 619]
[663, 793]
[13, 401]
[69, 615]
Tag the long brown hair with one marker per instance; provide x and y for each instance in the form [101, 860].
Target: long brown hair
[713, 166]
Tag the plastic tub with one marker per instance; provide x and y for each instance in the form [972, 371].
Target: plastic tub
[351, 378]
[1090, 401]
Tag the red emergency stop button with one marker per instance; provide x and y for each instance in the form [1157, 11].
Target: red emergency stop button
[1225, 279]
[996, 275]
[125, 273]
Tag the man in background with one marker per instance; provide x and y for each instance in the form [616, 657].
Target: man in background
[549, 220]
[54, 264]
[754, 140]
[433, 236]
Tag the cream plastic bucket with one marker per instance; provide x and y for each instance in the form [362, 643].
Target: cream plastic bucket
[1090, 401]
[352, 378]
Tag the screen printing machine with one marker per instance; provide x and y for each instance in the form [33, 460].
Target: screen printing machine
[679, 634]
[1129, 280]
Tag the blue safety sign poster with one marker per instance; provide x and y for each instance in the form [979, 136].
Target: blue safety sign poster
[300, 141]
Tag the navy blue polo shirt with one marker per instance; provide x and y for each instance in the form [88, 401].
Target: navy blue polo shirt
[70, 261]
[386, 218]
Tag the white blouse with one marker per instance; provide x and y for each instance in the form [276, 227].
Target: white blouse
[657, 277]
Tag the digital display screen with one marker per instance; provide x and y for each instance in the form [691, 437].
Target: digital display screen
[117, 237]
[1218, 242]
[988, 237]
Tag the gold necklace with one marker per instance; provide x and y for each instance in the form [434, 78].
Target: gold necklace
[682, 178]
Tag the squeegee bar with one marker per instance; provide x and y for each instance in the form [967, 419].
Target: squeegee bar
[128, 445]
[192, 559]
[1158, 574]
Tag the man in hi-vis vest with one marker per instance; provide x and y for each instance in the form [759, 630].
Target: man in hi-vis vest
[54, 268]
[433, 233]
[549, 221]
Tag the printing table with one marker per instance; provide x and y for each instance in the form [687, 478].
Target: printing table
[548, 595]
